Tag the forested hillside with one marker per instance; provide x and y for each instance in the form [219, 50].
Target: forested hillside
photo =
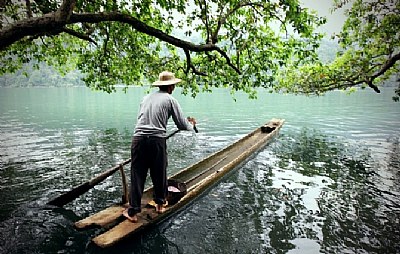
[44, 76]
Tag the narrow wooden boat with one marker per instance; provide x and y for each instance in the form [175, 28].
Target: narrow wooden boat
[197, 177]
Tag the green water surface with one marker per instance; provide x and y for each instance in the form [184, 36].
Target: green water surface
[328, 184]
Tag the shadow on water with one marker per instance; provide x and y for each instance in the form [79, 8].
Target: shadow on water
[35, 228]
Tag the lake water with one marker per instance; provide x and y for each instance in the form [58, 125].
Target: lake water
[329, 183]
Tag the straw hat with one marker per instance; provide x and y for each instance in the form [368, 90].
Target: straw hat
[166, 78]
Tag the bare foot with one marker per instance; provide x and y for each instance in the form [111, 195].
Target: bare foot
[160, 208]
[133, 218]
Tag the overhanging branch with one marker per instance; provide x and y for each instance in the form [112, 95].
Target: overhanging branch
[191, 66]
[35, 26]
[140, 27]
[79, 35]
[374, 87]
[54, 23]
[386, 66]
[389, 64]
[146, 29]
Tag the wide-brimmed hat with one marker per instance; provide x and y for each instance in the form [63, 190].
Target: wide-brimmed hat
[166, 78]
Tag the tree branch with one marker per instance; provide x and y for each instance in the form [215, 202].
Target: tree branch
[191, 66]
[54, 23]
[79, 35]
[140, 27]
[35, 26]
[51, 23]
[188, 61]
[204, 18]
[349, 82]
[104, 57]
[46, 25]
[65, 10]
[228, 60]
[389, 64]
[222, 19]
[146, 29]
[28, 8]
[374, 87]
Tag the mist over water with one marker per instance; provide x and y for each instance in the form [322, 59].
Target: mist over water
[328, 183]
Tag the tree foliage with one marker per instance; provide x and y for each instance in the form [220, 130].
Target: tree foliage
[240, 44]
[370, 54]
[209, 43]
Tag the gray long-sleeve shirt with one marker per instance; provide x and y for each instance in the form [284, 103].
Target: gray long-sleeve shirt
[154, 112]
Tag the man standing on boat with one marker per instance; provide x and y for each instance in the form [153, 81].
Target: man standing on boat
[149, 149]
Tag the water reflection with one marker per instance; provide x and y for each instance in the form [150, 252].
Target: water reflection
[33, 228]
[40, 173]
[305, 193]
[352, 215]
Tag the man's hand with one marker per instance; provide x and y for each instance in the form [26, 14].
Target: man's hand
[192, 120]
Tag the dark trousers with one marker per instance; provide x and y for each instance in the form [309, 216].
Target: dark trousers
[148, 153]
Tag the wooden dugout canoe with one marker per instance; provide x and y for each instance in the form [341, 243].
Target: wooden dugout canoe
[198, 177]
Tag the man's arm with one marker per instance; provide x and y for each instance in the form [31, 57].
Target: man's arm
[179, 119]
